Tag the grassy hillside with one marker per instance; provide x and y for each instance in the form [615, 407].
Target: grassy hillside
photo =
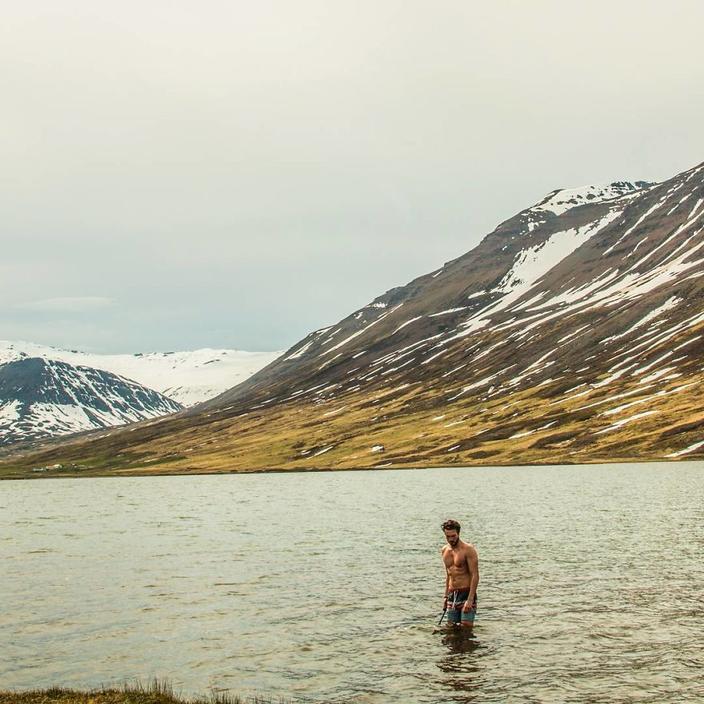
[541, 425]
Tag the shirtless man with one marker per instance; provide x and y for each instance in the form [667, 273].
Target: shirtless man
[462, 567]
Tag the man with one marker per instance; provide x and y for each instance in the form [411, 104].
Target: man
[462, 567]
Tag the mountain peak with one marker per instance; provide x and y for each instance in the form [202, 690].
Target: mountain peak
[42, 398]
[563, 199]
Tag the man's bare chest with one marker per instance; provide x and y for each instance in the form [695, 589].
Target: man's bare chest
[455, 560]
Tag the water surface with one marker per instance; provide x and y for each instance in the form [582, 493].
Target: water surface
[326, 587]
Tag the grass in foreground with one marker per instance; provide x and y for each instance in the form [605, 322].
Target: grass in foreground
[156, 692]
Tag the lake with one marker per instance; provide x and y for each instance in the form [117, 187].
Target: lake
[327, 587]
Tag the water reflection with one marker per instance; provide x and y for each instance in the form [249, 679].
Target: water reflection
[458, 641]
[461, 664]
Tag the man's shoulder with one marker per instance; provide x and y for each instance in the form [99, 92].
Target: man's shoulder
[469, 547]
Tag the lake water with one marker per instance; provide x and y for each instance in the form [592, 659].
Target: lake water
[326, 587]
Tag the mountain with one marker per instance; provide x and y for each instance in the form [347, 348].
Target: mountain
[449, 312]
[42, 398]
[186, 377]
[573, 332]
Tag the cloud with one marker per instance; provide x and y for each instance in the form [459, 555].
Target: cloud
[68, 304]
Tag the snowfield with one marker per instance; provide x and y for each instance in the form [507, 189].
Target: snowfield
[186, 377]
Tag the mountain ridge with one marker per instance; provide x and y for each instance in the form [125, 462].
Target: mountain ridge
[187, 377]
[42, 398]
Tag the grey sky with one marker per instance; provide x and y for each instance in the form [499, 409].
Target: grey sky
[187, 174]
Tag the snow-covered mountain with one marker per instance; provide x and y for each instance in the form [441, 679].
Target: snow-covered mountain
[186, 377]
[42, 398]
[574, 332]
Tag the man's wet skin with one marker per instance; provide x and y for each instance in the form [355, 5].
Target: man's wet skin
[455, 559]
[462, 567]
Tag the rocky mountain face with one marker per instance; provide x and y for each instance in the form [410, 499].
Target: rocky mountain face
[573, 333]
[42, 398]
[187, 377]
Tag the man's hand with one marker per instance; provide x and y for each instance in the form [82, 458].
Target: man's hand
[467, 606]
[444, 604]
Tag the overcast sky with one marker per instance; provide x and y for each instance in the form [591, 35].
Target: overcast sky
[186, 174]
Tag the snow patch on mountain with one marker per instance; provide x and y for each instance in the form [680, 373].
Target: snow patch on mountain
[531, 264]
[564, 199]
[9, 412]
[363, 330]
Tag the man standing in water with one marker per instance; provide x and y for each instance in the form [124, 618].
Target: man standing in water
[462, 567]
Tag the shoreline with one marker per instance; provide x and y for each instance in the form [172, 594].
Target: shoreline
[118, 474]
[156, 692]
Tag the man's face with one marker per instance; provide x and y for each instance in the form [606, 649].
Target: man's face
[452, 537]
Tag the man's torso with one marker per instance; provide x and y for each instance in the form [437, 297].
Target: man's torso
[455, 560]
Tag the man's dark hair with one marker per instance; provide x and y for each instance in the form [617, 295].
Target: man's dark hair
[451, 525]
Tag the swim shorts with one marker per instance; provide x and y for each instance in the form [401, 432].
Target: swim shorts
[455, 603]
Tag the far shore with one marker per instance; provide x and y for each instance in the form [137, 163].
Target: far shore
[25, 474]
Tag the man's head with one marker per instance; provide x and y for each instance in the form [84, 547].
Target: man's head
[451, 529]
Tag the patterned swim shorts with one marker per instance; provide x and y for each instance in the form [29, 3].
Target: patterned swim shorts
[456, 600]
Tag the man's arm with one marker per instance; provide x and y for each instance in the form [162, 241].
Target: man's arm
[447, 579]
[473, 565]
